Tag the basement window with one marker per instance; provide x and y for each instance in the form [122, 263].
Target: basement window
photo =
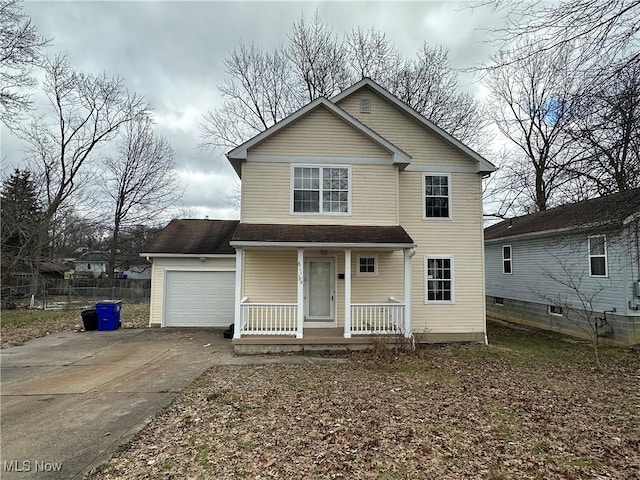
[554, 310]
[498, 301]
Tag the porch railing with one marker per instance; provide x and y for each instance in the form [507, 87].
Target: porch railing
[377, 318]
[268, 318]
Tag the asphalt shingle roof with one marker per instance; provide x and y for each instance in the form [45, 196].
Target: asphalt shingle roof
[609, 210]
[195, 237]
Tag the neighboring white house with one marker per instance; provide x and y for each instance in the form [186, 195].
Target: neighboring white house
[91, 264]
[358, 216]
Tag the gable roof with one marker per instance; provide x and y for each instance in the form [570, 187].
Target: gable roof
[248, 234]
[612, 210]
[483, 165]
[193, 237]
[238, 154]
[93, 257]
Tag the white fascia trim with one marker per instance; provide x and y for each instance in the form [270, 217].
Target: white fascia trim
[484, 165]
[306, 159]
[396, 246]
[576, 229]
[440, 169]
[240, 153]
[188, 255]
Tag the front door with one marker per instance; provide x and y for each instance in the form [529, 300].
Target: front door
[319, 291]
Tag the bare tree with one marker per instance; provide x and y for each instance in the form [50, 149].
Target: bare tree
[139, 182]
[262, 88]
[531, 103]
[607, 31]
[20, 47]
[606, 128]
[86, 112]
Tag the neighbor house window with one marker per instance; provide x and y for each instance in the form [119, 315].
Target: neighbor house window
[598, 256]
[437, 196]
[506, 259]
[367, 266]
[321, 190]
[498, 301]
[554, 310]
[438, 279]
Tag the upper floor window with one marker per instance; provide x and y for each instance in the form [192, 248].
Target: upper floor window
[506, 259]
[437, 196]
[598, 256]
[321, 190]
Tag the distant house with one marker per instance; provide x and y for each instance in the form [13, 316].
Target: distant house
[132, 267]
[541, 267]
[92, 265]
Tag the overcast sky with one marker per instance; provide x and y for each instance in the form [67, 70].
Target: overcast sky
[173, 52]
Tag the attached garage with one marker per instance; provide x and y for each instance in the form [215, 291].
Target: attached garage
[193, 274]
[198, 299]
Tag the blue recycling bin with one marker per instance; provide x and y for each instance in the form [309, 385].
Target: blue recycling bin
[109, 314]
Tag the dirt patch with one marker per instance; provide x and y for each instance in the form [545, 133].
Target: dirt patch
[442, 412]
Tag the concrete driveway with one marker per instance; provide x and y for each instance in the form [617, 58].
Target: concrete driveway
[69, 399]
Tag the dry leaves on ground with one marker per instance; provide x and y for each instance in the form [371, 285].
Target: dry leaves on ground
[443, 412]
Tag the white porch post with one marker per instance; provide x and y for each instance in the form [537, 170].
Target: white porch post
[300, 309]
[237, 328]
[408, 254]
[347, 293]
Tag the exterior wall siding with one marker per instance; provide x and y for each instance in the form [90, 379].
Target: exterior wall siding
[161, 265]
[266, 196]
[460, 237]
[320, 133]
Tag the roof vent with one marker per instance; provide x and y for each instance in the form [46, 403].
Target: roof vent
[365, 105]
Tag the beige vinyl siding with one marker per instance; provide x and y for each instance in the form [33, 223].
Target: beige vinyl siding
[460, 237]
[320, 133]
[266, 196]
[424, 147]
[378, 288]
[161, 265]
[269, 276]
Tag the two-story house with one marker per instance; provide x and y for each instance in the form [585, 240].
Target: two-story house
[358, 216]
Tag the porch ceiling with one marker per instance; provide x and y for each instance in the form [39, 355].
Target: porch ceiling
[345, 236]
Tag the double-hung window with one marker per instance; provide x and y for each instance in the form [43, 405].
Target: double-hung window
[321, 190]
[506, 259]
[598, 256]
[437, 196]
[439, 280]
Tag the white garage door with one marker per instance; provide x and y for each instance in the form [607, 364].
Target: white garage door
[199, 299]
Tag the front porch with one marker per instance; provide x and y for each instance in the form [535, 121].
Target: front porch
[313, 340]
[324, 293]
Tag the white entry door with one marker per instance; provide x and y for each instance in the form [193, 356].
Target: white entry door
[319, 289]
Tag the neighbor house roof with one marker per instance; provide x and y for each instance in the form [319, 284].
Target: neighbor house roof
[93, 257]
[612, 210]
[251, 234]
[238, 154]
[193, 237]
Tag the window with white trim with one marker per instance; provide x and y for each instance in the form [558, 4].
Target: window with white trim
[598, 256]
[438, 273]
[437, 196]
[321, 190]
[554, 310]
[367, 265]
[506, 260]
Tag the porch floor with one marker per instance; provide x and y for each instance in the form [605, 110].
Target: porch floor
[315, 340]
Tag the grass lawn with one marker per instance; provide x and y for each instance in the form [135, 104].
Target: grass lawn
[528, 406]
[18, 326]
